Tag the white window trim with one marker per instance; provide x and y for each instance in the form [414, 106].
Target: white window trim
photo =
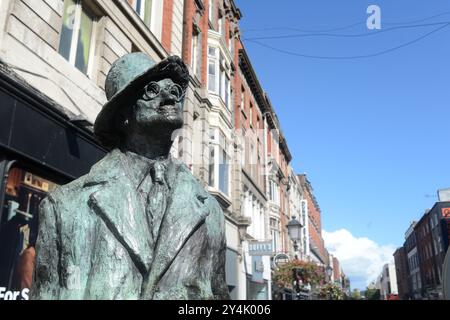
[155, 15]
[222, 70]
[194, 53]
[215, 143]
[211, 10]
[74, 41]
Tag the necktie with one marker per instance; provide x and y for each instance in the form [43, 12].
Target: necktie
[157, 198]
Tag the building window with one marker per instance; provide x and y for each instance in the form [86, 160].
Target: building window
[211, 180]
[274, 232]
[212, 69]
[223, 164]
[77, 36]
[242, 99]
[273, 192]
[244, 147]
[231, 45]
[220, 24]
[144, 8]
[219, 165]
[195, 53]
[211, 11]
[227, 91]
[251, 114]
[218, 77]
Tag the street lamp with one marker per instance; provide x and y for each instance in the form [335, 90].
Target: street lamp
[294, 229]
[329, 271]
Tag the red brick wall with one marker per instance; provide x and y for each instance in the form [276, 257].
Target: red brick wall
[315, 225]
[166, 37]
[336, 269]
[425, 248]
[190, 11]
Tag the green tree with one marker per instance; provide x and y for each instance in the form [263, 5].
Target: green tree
[372, 294]
[305, 272]
[331, 291]
[356, 295]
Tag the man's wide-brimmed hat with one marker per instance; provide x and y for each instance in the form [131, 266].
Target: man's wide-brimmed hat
[125, 80]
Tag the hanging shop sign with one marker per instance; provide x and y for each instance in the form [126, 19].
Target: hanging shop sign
[260, 248]
[280, 259]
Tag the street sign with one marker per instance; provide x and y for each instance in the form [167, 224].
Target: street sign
[280, 259]
[260, 248]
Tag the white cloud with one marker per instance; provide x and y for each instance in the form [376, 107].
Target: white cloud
[361, 259]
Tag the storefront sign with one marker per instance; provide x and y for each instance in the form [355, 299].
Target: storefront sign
[260, 248]
[280, 259]
[446, 212]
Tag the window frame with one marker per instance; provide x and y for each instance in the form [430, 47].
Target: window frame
[194, 51]
[141, 12]
[218, 147]
[79, 10]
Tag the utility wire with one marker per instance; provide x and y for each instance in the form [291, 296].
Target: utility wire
[351, 57]
[420, 20]
[359, 35]
[344, 27]
[306, 30]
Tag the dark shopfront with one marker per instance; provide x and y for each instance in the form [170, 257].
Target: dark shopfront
[40, 148]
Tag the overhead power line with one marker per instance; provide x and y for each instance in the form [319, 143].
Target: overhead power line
[306, 30]
[343, 27]
[350, 57]
[359, 35]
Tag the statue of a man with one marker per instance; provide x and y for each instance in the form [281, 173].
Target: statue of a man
[138, 226]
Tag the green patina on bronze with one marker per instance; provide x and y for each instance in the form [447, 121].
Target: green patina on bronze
[139, 225]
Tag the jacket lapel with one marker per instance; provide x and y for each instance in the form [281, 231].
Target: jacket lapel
[116, 202]
[185, 214]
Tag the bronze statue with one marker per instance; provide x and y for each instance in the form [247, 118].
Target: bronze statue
[138, 226]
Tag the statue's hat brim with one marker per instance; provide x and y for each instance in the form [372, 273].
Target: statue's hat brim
[105, 127]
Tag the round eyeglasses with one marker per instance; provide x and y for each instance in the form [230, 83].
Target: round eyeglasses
[153, 89]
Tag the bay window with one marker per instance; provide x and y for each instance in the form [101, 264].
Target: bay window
[77, 37]
[219, 162]
[212, 73]
[218, 76]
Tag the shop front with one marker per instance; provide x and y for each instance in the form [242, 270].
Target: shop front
[259, 278]
[40, 148]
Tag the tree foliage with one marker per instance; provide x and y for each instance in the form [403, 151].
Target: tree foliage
[304, 272]
[331, 291]
[373, 294]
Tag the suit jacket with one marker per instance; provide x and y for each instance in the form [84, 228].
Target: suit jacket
[94, 241]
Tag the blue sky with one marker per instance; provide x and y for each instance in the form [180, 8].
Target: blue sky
[372, 134]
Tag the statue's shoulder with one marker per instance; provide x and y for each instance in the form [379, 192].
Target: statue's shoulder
[78, 191]
[199, 190]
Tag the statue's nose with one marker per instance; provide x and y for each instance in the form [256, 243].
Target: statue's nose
[167, 97]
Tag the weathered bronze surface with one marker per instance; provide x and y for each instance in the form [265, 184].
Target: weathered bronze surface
[138, 226]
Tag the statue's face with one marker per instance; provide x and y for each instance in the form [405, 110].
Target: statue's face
[160, 104]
